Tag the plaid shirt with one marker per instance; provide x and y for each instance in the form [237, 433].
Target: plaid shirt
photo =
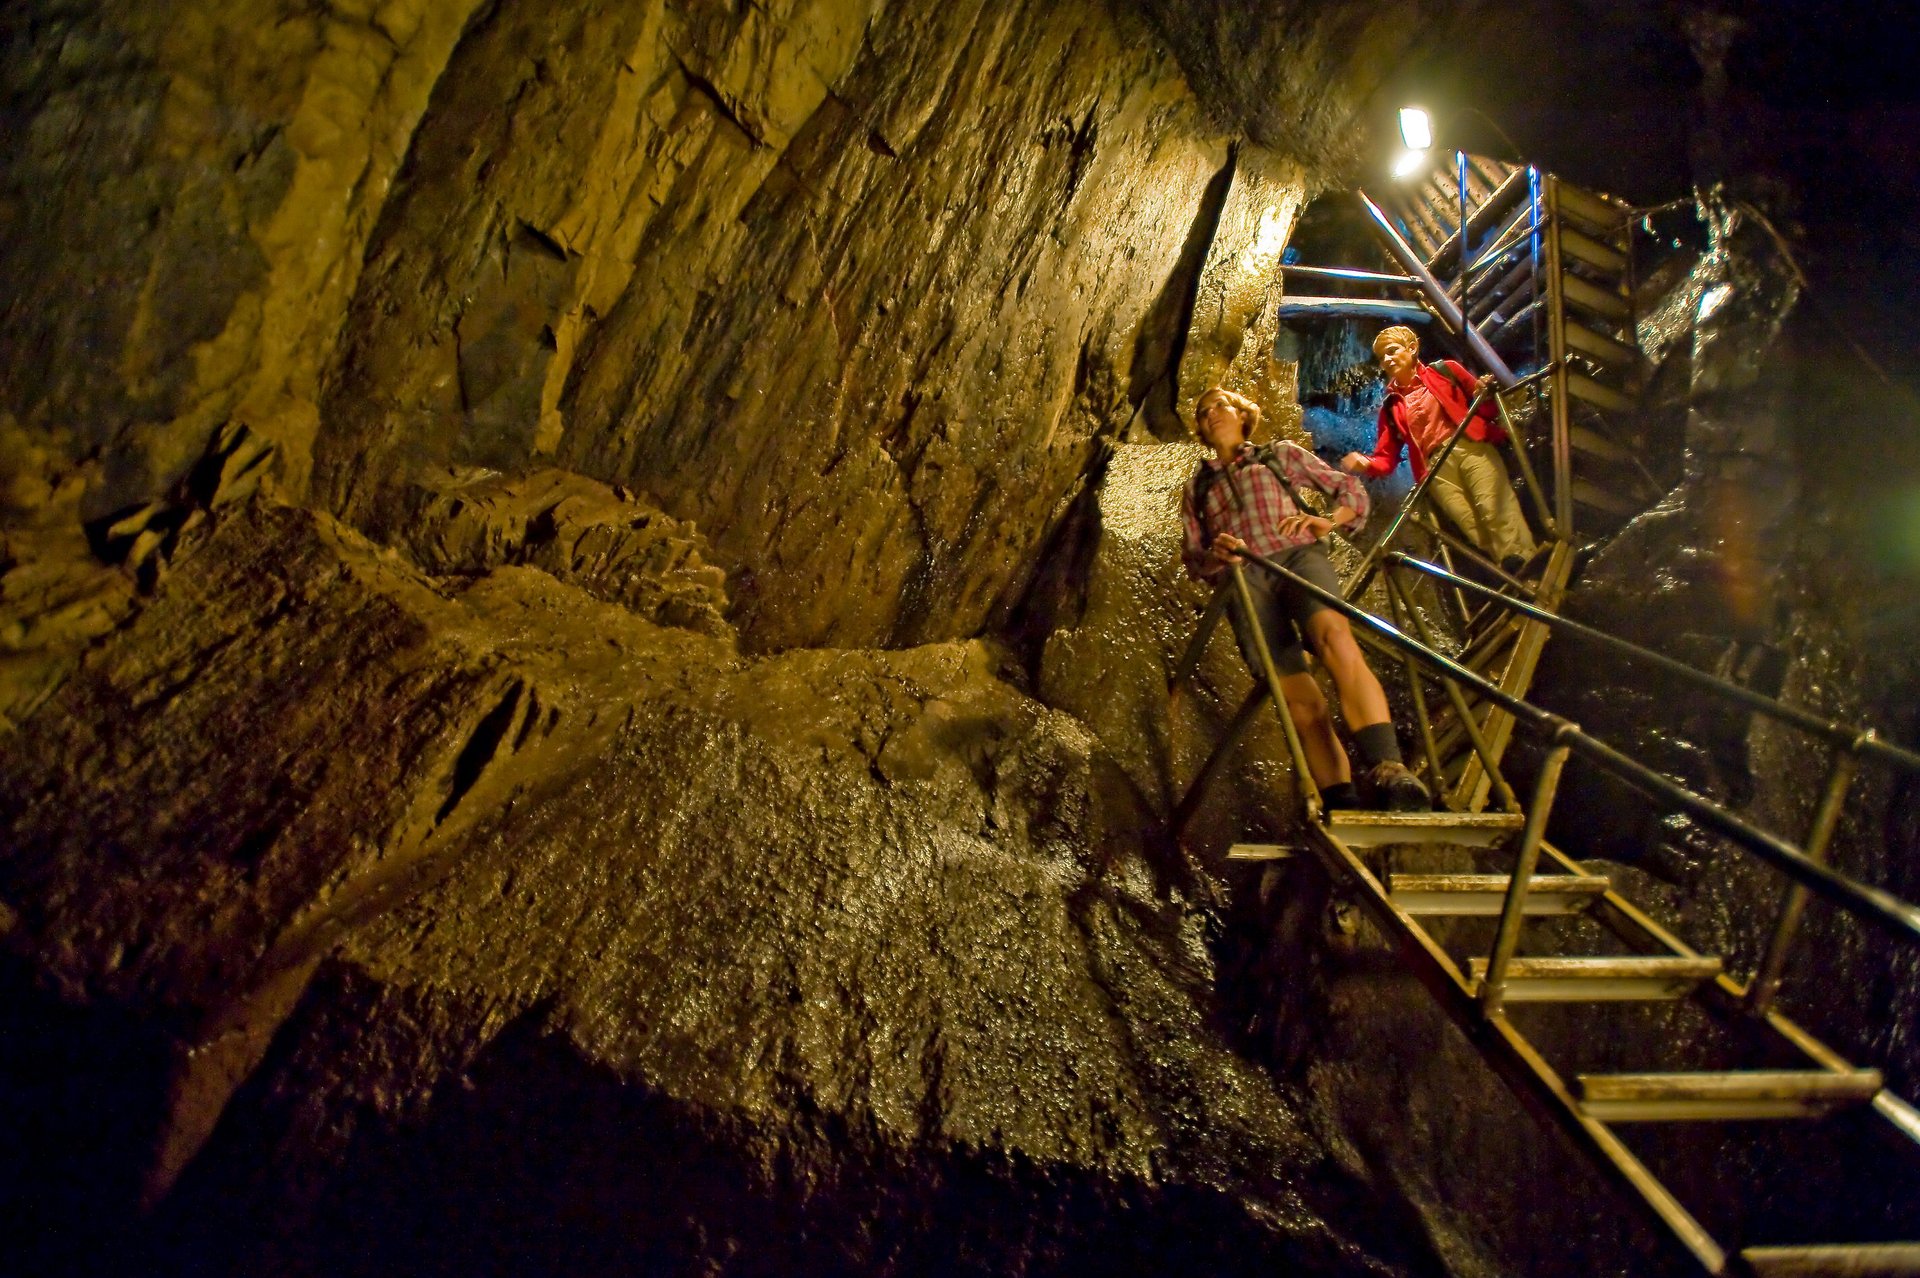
[1249, 501]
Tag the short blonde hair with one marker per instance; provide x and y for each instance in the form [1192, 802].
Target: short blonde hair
[1248, 409]
[1406, 335]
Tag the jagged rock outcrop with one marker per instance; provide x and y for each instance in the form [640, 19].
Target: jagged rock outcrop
[868, 936]
[611, 543]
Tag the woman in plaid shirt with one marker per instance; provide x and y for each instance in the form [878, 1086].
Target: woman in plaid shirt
[1236, 501]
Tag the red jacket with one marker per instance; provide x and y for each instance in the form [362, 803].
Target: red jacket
[1453, 403]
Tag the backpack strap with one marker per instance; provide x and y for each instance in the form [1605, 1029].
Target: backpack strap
[1270, 453]
[1203, 481]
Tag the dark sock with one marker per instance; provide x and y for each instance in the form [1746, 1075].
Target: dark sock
[1340, 796]
[1377, 744]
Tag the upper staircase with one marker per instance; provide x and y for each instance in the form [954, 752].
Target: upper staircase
[1543, 282]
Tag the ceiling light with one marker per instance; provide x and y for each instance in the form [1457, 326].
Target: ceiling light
[1409, 163]
[1416, 128]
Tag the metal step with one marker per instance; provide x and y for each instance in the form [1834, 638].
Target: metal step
[1593, 443]
[1472, 894]
[1592, 251]
[1738, 1095]
[1590, 297]
[1602, 215]
[1584, 387]
[1462, 829]
[1834, 1260]
[1601, 347]
[1261, 852]
[1596, 980]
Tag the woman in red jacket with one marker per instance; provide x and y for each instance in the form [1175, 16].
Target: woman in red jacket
[1422, 407]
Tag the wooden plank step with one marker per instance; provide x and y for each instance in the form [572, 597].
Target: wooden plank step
[1584, 387]
[1602, 215]
[1476, 894]
[1424, 232]
[1590, 297]
[1463, 829]
[1607, 350]
[1593, 495]
[1445, 260]
[1596, 980]
[1737, 1095]
[1514, 322]
[1592, 251]
[1509, 287]
[1261, 852]
[1593, 443]
[1834, 1260]
[1490, 171]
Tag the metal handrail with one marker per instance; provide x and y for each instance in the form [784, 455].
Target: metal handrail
[1847, 736]
[1900, 917]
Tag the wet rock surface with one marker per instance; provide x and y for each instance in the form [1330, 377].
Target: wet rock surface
[820, 938]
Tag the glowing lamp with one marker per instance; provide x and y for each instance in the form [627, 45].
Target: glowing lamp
[1409, 163]
[1416, 128]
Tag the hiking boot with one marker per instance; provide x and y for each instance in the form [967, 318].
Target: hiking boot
[1340, 796]
[1525, 566]
[1395, 789]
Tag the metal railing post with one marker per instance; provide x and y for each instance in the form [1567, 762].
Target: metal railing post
[1421, 718]
[1197, 646]
[1535, 493]
[1468, 723]
[1826, 818]
[1507, 939]
[1303, 775]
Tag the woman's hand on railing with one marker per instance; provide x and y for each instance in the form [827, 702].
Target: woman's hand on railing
[1225, 550]
[1314, 526]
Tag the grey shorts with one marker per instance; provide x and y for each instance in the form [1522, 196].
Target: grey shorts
[1282, 609]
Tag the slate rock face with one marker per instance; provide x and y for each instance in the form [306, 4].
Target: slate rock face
[934, 228]
[858, 287]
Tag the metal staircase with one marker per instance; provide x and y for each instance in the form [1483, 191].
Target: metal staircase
[1518, 270]
[1385, 861]
[1547, 283]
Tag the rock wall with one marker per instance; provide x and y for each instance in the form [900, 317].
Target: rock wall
[429, 429]
[855, 286]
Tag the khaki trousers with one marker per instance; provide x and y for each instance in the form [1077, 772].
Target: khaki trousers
[1478, 498]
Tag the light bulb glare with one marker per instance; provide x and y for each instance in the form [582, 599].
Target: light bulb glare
[1416, 128]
